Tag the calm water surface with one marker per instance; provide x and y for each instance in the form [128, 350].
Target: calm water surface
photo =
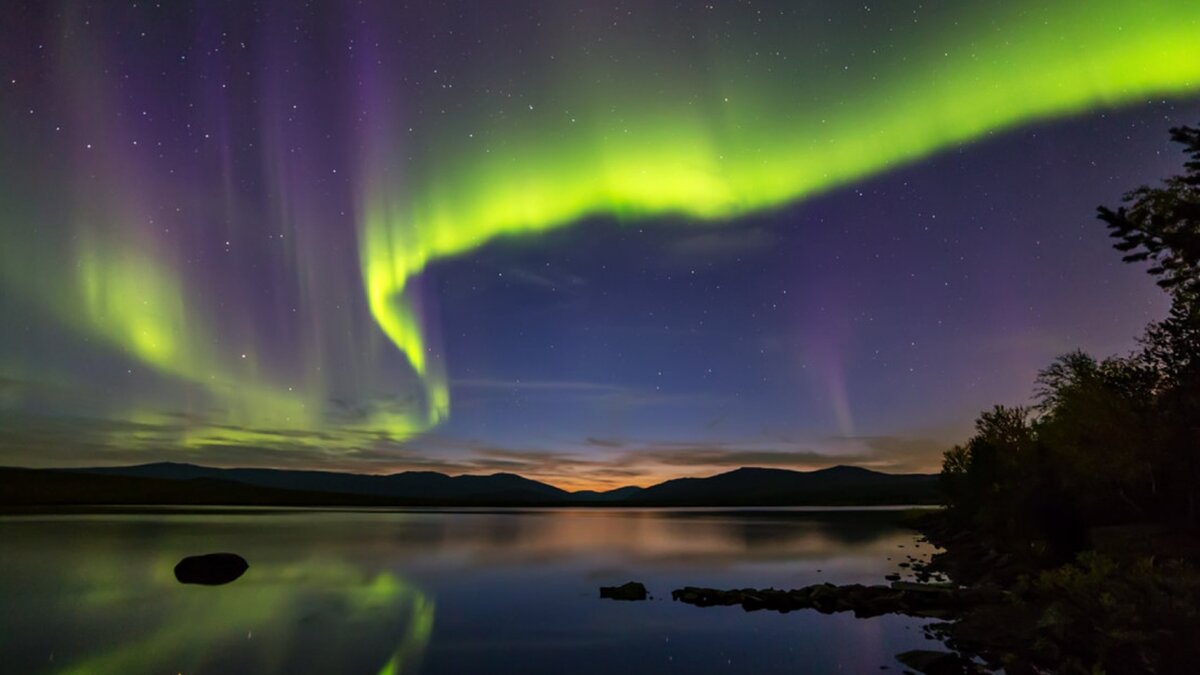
[440, 592]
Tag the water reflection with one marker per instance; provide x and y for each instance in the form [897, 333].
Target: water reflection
[98, 602]
[654, 537]
[354, 592]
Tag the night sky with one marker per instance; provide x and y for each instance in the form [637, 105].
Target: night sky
[592, 243]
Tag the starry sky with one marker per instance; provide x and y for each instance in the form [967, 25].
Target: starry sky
[593, 243]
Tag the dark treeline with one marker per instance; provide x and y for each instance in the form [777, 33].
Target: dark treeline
[1109, 451]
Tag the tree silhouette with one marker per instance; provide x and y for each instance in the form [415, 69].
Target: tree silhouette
[1116, 440]
[1161, 225]
[1111, 442]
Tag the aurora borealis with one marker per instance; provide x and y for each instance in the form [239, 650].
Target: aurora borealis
[561, 238]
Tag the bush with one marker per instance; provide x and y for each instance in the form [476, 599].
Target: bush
[1101, 617]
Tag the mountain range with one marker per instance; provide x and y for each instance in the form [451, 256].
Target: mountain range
[175, 483]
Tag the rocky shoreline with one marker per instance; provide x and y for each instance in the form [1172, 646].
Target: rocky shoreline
[959, 587]
[930, 600]
[962, 586]
[996, 605]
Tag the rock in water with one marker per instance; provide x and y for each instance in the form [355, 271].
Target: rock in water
[937, 663]
[212, 569]
[630, 591]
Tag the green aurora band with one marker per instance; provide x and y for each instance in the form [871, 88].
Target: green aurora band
[631, 143]
[698, 115]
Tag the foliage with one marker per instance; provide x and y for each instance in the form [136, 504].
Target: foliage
[1161, 225]
[1107, 441]
[1098, 616]
[1099, 425]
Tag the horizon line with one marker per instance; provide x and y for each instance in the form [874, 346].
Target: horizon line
[466, 474]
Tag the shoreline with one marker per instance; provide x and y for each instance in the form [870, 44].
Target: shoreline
[994, 609]
[900, 510]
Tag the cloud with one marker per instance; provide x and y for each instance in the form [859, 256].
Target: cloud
[534, 385]
[904, 454]
[599, 393]
[718, 245]
[545, 278]
[591, 463]
[725, 457]
[602, 463]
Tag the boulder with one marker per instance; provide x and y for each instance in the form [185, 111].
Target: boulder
[937, 663]
[628, 591]
[901, 597]
[211, 569]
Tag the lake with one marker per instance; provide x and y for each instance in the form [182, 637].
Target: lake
[441, 591]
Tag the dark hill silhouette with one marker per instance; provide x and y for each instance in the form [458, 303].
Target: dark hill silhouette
[620, 494]
[781, 487]
[41, 487]
[409, 485]
[173, 483]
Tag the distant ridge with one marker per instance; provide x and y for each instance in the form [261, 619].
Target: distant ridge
[413, 485]
[780, 487]
[167, 483]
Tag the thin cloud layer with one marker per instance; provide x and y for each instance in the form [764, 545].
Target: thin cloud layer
[593, 463]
